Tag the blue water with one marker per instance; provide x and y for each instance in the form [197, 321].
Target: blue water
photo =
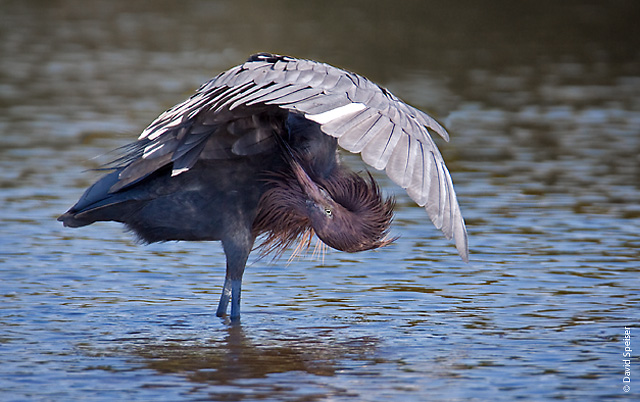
[544, 156]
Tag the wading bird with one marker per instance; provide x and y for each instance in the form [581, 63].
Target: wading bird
[254, 153]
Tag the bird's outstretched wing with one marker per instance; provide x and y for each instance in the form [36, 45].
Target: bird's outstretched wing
[364, 117]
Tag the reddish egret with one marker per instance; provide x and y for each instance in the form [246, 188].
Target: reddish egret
[253, 153]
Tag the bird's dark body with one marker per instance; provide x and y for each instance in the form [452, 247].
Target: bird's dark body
[196, 205]
[216, 200]
[253, 152]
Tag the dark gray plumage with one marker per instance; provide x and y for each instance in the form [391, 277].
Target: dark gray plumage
[253, 151]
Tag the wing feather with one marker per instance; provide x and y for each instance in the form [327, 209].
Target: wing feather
[320, 103]
[297, 95]
[378, 151]
[356, 141]
[349, 123]
[263, 92]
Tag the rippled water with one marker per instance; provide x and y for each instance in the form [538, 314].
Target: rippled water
[543, 104]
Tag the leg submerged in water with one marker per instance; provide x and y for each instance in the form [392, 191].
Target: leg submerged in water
[230, 291]
[224, 298]
[237, 251]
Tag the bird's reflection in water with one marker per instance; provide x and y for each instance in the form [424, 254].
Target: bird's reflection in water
[238, 356]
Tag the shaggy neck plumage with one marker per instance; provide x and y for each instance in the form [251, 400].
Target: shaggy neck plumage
[283, 218]
[281, 215]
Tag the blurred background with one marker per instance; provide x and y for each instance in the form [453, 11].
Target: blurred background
[542, 100]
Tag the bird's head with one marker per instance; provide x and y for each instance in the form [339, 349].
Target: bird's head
[347, 212]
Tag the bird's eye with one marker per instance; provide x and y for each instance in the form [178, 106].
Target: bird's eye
[328, 212]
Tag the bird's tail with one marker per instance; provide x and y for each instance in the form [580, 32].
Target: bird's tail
[95, 203]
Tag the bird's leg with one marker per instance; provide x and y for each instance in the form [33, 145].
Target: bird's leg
[236, 286]
[224, 298]
[237, 250]
[231, 291]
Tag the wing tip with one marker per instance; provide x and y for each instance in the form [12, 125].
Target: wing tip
[462, 245]
[439, 128]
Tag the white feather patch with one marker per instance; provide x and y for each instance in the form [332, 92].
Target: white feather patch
[150, 149]
[176, 172]
[330, 115]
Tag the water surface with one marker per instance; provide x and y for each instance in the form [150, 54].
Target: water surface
[543, 106]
